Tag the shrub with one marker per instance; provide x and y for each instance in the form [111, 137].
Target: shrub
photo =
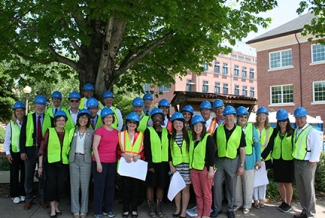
[2, 134]
[4, 165]
[320, 174]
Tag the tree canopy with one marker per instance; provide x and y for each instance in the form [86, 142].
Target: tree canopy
[122, 41]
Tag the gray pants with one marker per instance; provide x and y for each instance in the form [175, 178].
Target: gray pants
[244, 189]
[305, 178]
[79, 180]
[226, 168]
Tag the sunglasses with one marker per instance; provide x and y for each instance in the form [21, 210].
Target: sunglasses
[74, 101]
[132, 122]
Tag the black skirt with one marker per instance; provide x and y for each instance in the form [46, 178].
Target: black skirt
[283, 170]
[160, 177]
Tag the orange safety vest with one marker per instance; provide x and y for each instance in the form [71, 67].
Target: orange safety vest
[212, 126]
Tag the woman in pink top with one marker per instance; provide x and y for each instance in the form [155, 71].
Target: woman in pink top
[104, 165]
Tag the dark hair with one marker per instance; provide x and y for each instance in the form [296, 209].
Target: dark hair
[189, 122]
[289, 129]
[185, 136]
[88, 123]
[168, 114]
[126, 124]
[204, 131]
[55, 118]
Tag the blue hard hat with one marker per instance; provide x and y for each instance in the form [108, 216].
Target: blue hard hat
[241, 110]
[18, 104]
[60, 113]
[84, 111]
[282, 114]
[137, 102]
[88, 87]
[40, 99]
[218, 103]
[108, 94]
[105, 112]
[92, 102]
[205, 105]
[164, 103]
[74, 94]
[262, 110]
[156, 111]
[197, 119]
[56, 94]
[177, 116]
[188, 108]
[229, 110]
[147, 96]
[133, 117]
[300, 112]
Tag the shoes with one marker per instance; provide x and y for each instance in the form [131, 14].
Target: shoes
[82, 215]
[125, 215]
[58, 212]
[134, 214]
[109, 214]
[215, 214]
[151, 211]
[53, 216]
[22, 198]
[43, 204]
[76, 215]
[286, 208]
[281, 205]
[27, 205]
[301, 215]
[16, 200]
[230, 214]
[237, 208]
[245, 211]
[158, 209]
[256, 204]
[262, 204]
[176, 215]
[98, 215]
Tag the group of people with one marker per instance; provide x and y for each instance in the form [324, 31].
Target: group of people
[86, 142]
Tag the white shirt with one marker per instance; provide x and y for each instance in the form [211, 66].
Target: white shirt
[74, 116]
[7, 142]
[208, 123]
[119, 119]
[80, 143]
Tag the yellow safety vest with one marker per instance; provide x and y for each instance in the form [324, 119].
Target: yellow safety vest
[30, 128]
[54, 151]
[249, 139]
[49, 111]
[69, 124]
[159, 147]
[98, 123]
[197, 154]
[228, 148]
[300, 144]
[82, 104]
[282, 147]
[264, 139]
[15, 133]
[115, 124]
[143, 123]
[179, 154]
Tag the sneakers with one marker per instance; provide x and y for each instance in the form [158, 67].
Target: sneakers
[281, 205]
[245, 211]
[158, 209]
[98, 215]
[16, 200]
[109, 214]
[286, 208]
[22, 198]
[151, 207]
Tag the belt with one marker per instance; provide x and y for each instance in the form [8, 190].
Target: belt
[302, 160]
[79, 153]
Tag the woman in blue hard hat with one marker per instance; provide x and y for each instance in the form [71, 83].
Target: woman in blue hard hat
[281, 148]
[164, 105]
[104, 165]
[156, 144]
[80, 164]
[131, 149]
[11, 147]
[179, 150]
[54, 149]
[202, 157]
[264, 131]
[187, 112]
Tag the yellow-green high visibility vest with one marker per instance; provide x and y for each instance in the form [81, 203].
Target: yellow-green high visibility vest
[55, 152]
[197, 154]
[264, 139]
[82, 104]
[115, 124]
[249, 139]
[69, 124]
[30, 128]
[179, 154]
[228, 149]
[15, 133]
[49, 111]
[300, 143]
[98, 124]
[159, 147]
[143, 123]
[282, 147]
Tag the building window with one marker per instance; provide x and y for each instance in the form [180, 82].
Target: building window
[241, 57]
[281, 59]
[252, 92]
[205, 67]
[319, 91]
[244, 72]
[225, 88]
[217, 67]
[251, 73]
[282, 94]
[225, 68]
[188, 85]
[236, 70]
[244, 90]
[217, 88]
[248, 59]
[146, 87]
[163, 88]
[236, 91]
[318, 53]
[205, 86]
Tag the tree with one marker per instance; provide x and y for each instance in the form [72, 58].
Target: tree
[106, 42]
[7, 96]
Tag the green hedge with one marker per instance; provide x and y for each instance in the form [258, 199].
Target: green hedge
[2, 134]
[320, 174]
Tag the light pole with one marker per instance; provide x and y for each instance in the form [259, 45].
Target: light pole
[27, 90]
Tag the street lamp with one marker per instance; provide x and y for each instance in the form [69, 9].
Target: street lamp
[27, 90]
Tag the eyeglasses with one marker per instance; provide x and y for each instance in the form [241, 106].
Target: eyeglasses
[157, 118]
[282, 121]
[131, 122]
[243, 117]
[74, 101]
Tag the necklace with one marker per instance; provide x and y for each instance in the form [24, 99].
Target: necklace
[81, 135]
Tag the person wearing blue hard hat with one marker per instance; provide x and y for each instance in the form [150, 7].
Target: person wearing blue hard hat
[230, 160]
[137, 106]
[11, 147]
[307, 149]
[88, 92]
[210, 123]
[218, 107]
[156, 148]
[108, 102]
[187, 112]
[93, 108]
[148, 100]
[55, 146]
[32, 131]
[164, 105]
[130, 148]
[72, 112]
[56, 99]
[264, 131]
[245, 182]
[202, 165]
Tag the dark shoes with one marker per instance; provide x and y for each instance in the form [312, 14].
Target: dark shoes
[43, 204]
[302, 215]
[27, 205]
[215, 214]
[230, 214]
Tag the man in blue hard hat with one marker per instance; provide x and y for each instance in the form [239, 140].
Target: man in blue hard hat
[72, 113]
[210, 123]
[108, 101]
[88, 92]
[147, 99]
[137, 105]
[95, 119]
[306, 153]
[32, 130]
[56, 101]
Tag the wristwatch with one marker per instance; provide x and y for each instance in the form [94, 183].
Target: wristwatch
[242, 165]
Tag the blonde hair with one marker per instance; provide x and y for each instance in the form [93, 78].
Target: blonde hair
[266, 124]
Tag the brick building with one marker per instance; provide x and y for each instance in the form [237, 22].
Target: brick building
[291, 70]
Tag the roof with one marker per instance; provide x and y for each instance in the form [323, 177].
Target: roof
[293, 26]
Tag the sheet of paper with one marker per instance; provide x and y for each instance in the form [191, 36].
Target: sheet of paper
[136, 170]
[261, 176]
[176, 185]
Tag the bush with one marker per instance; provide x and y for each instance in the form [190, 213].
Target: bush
[4, 165]
[320, 174]
[2, 134]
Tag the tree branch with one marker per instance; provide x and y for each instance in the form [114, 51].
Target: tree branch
[62, 59]
[30, 58]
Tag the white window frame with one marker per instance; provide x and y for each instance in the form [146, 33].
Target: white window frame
[205, 85]
[244, 91]
[225, 67]
[217, 84]
[236, 89]
[282, 103]
[252, 92]
[314, 100]
[225, 86]
[163, 88]
[281, 64]
[312, 53]
[236, 69]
